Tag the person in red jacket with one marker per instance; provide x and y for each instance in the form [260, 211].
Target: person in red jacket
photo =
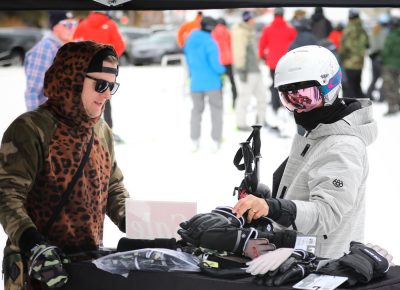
[336, 35]
[222, 36]
[273, 44]
[99, 27]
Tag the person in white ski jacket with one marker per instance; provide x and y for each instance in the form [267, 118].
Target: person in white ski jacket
[320, 189]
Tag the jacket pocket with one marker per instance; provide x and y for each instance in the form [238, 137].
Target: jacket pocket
[13, 270]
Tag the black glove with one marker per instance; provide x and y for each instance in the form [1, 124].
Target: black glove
[295, 268]
[226, 211]
[362, 264]
[215, 231]
[46, 265]
[193, 229]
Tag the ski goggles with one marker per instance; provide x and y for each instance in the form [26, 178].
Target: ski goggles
[102, 85]
[301, 99]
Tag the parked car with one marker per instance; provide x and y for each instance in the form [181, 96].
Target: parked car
[15, 42]
[130, 33]
[152, 49]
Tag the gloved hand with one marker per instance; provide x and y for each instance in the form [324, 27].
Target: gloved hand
[362, 264]
[46, 265]
[269, 261]
[257, 247]
[296, 267]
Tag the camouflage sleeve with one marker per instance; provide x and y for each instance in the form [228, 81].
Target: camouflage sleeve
[20, 158]
[116, 191]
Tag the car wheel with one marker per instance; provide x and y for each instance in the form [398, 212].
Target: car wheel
[17, 58]
[124, 60]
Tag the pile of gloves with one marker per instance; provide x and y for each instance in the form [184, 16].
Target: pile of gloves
[362, 264]
[221, 230]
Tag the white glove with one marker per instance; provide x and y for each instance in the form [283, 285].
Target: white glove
[269, 261]
[382, 252]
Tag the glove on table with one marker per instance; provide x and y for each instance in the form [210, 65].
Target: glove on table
[296, 267]
[382, 252]
[362, 264]
[269, 261]
[46, 265]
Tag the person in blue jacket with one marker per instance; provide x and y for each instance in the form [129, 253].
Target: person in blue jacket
[205, 70]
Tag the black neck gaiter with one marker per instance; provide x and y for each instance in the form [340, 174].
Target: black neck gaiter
[326, 115]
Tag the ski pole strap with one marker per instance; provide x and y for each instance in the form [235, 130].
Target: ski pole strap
[248, 153]
[67, 192]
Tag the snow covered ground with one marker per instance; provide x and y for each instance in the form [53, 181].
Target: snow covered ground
[151, 114]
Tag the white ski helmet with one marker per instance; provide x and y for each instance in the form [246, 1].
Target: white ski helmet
[311, 63]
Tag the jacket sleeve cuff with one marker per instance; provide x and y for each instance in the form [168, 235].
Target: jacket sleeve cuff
[282, 211]
[29, 238]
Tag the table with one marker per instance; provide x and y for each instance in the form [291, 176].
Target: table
[86, 276]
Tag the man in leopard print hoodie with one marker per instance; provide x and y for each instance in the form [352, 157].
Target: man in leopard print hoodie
[40, 153]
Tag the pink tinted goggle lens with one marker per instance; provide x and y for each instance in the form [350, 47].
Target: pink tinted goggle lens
[301, 100]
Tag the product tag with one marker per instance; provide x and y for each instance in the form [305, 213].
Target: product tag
[306, 243]
[320, 282]
[323, 263]
[211, 264]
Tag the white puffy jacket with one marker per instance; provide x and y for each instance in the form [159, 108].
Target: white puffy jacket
[326, 176]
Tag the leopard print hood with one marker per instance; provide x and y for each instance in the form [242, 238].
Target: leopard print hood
[63, 82]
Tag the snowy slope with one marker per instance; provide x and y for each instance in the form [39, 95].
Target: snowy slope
[151, 114]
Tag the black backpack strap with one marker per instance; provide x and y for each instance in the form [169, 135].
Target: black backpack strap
[277, 176]
[67, 192]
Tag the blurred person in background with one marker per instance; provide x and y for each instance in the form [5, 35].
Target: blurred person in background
[304, 35]
[273, 44]
[99, 27]
[39, 58]
[298, 15]
[186, 28]
[182, 34]
[320, 25]
[377, 38]
[222, 36]
[205, 70]
[336, 34]
[248, 71]
[353, 46]
[391, 68]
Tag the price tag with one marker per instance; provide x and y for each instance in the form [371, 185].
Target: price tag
[320, 282]
[306, 243]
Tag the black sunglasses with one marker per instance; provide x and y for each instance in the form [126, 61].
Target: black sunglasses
[102, 85]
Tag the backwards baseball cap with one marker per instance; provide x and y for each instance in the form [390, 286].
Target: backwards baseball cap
[56, 16]
[247, 15]
[96, 64]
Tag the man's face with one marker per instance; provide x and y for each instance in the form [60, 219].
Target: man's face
[65, 29]
[93, 101]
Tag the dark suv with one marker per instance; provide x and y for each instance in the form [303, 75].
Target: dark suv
[15, 42]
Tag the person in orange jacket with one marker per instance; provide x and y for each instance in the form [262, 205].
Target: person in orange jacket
[99, 27]
[186, 28]
[222, 36]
